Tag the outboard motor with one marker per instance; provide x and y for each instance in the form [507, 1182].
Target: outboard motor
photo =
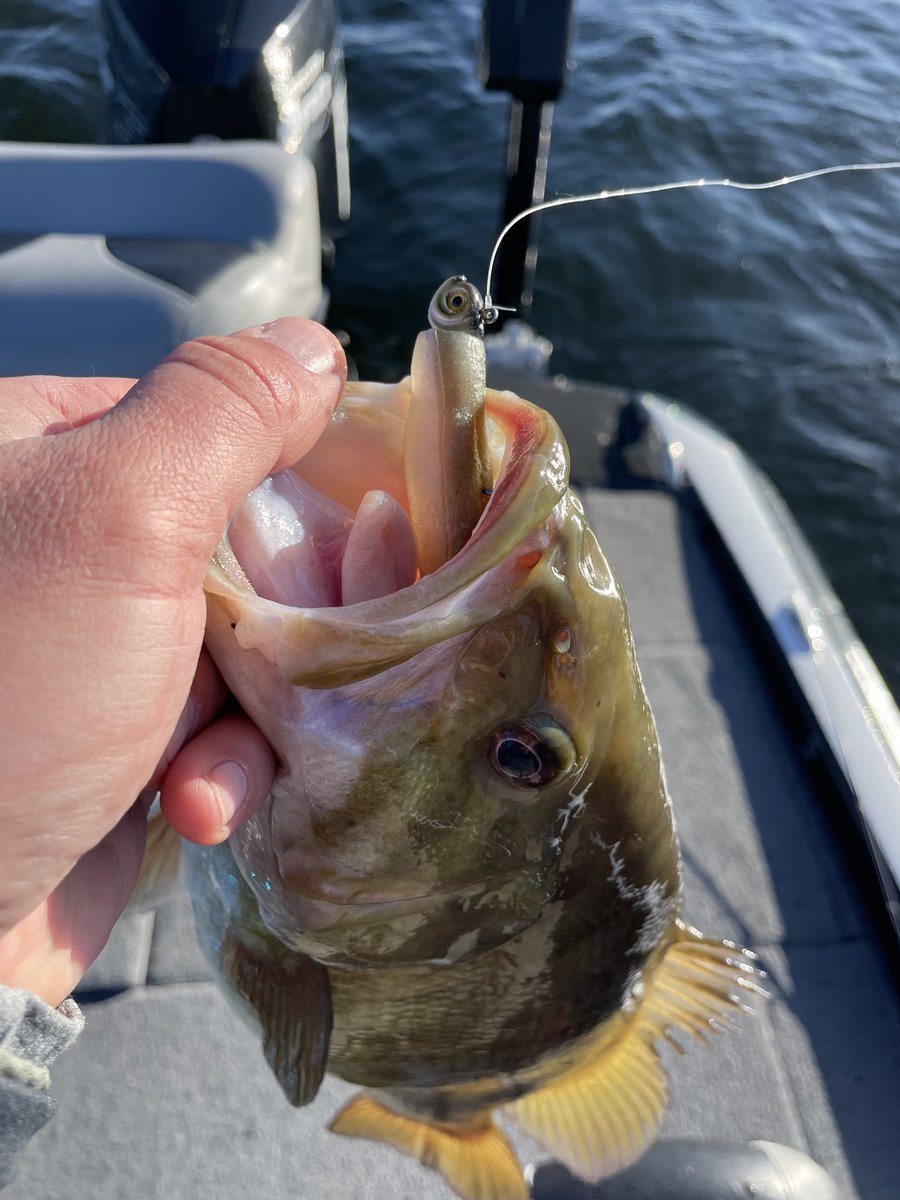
[232, 70]
[214, 208]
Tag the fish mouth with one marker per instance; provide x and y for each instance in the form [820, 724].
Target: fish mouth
[314, 601]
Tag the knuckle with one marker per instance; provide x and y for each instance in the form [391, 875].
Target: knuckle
[255, 378]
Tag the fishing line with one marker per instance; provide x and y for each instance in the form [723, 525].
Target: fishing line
[491, 310]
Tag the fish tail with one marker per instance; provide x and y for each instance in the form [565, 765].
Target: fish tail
[477, 1161]
[599, 1116]
[160, 867]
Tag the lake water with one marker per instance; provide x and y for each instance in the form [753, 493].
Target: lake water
[776, 314]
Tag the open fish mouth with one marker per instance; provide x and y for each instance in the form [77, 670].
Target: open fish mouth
[300, 579]
[403, 480]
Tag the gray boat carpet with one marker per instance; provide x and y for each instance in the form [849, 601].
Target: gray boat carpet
[167, 1096]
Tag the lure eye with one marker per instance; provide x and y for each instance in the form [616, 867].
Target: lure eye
[456, 302]
[531, 755]
[456, 305]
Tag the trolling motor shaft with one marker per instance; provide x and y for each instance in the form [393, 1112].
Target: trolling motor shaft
[524, 48]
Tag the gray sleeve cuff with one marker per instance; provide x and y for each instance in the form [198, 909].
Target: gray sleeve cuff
[32, 1035]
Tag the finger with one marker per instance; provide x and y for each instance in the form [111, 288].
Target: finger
[89, 901]
[218, 780]
[50, 949]
[207, 696]
[201, 430]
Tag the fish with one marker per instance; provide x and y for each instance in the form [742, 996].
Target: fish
[463, 893]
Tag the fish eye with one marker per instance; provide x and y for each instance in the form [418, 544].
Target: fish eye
[531, 755]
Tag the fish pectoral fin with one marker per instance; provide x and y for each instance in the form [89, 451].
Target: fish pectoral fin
[292, 999]
[600, 1116]
[477, 1161]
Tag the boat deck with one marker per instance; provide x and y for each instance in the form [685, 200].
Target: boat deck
[167, 1095]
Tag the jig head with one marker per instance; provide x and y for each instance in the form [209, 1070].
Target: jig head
[458, 306]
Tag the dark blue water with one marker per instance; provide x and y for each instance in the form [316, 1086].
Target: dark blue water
[777, 314]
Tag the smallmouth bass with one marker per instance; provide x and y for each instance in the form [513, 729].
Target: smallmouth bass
[463, 891]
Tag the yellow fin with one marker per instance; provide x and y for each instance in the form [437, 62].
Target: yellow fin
[600, 1116]
[160, 867]
[699, 987]
[477, 1162]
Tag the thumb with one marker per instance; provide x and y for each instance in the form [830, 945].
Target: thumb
[202, 429]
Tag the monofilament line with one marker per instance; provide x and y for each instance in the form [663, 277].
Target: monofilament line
[680, 185]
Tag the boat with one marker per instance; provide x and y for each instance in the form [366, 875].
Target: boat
[781, 740]
[219, 225]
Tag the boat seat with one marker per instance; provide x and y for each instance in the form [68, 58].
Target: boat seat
[68, 307]
[217, 191]
[154, 244]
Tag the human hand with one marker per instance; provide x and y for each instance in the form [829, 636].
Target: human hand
[113, 497]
